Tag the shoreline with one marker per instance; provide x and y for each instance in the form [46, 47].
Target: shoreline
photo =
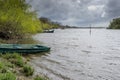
[18, 72]
[18, 67]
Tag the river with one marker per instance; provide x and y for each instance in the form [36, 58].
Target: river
[78, 55]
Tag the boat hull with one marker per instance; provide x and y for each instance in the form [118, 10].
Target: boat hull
[48, 31]
[21, 49]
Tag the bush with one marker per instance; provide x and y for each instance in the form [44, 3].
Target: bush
[11, 30]
[21, 23]
[28, 70]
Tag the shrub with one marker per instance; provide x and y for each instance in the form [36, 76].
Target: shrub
[21, 23]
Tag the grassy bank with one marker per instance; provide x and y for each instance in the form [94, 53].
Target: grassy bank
[18, 29]
[19, 41]
[15, 67]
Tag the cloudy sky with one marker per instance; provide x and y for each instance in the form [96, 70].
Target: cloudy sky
[78, 12]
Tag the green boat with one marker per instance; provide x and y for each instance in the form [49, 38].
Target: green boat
[23, 48]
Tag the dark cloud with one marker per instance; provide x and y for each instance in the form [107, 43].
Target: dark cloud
[113, 8]
[78, 12]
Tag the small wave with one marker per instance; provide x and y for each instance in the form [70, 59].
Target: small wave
[52, 72]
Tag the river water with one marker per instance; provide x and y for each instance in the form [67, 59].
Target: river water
[77, 55]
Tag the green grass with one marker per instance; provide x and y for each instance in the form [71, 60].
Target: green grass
[7, 76]
[14, 65]
[3, 68]
[11, 55]
[5, 72]
[9, 64]
[28, 70]
[40, 78]
[2, 65]
[15, 59]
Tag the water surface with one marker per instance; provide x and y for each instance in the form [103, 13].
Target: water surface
[77, 55]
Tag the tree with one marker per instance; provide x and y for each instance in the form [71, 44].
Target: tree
[115, 24]
[48, 24]
[44, 20]
[16, 19]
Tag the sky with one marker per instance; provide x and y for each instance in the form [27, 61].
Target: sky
[81, 13]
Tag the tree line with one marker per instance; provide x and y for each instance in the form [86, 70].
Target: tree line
[46, 23]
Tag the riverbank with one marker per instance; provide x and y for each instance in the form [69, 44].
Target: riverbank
[17, 67]
[28, 40]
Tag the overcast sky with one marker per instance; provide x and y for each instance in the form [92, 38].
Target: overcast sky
[78, 12]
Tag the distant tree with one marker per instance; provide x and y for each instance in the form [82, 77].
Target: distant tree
[44, 20]
[48, 24]
[115, 24]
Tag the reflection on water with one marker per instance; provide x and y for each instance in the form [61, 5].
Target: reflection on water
[77, 55]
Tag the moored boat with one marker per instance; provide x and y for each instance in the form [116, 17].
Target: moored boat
[23, 48]
[48, 31]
